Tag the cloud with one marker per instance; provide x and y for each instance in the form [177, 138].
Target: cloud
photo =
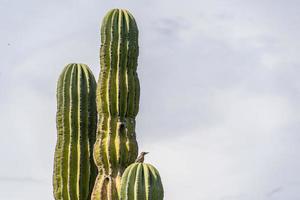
[236, 156]
[219, 99]
[275, 191]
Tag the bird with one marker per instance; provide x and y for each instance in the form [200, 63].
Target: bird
[140, 158]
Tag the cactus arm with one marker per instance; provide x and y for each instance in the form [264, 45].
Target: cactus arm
[117, 102]
[141, 181]
[74, 170]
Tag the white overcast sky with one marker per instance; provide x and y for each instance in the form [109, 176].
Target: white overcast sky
[220, 92]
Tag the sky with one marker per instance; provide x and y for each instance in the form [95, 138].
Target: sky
[220, 91]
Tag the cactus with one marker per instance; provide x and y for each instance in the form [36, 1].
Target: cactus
[141, 181]
[118, 94]
[74, 169]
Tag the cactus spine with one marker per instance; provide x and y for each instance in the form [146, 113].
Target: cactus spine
[118, 94]
[141, 181]
[74, 169]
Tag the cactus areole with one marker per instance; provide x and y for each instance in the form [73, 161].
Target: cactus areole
[74, 169]
[141, 181]
[118, 93]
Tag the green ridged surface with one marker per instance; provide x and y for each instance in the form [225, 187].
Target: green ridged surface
[141, 181]
[118, 94]
[74, 169]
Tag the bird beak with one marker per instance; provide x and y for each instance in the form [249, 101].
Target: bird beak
[146, 152]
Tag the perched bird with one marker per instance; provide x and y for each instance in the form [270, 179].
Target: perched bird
[140, 158]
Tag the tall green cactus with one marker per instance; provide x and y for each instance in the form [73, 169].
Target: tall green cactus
[118, 94]
[141, 181]
[74, 169]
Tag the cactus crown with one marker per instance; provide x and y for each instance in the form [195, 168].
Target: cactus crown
[118, 85]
